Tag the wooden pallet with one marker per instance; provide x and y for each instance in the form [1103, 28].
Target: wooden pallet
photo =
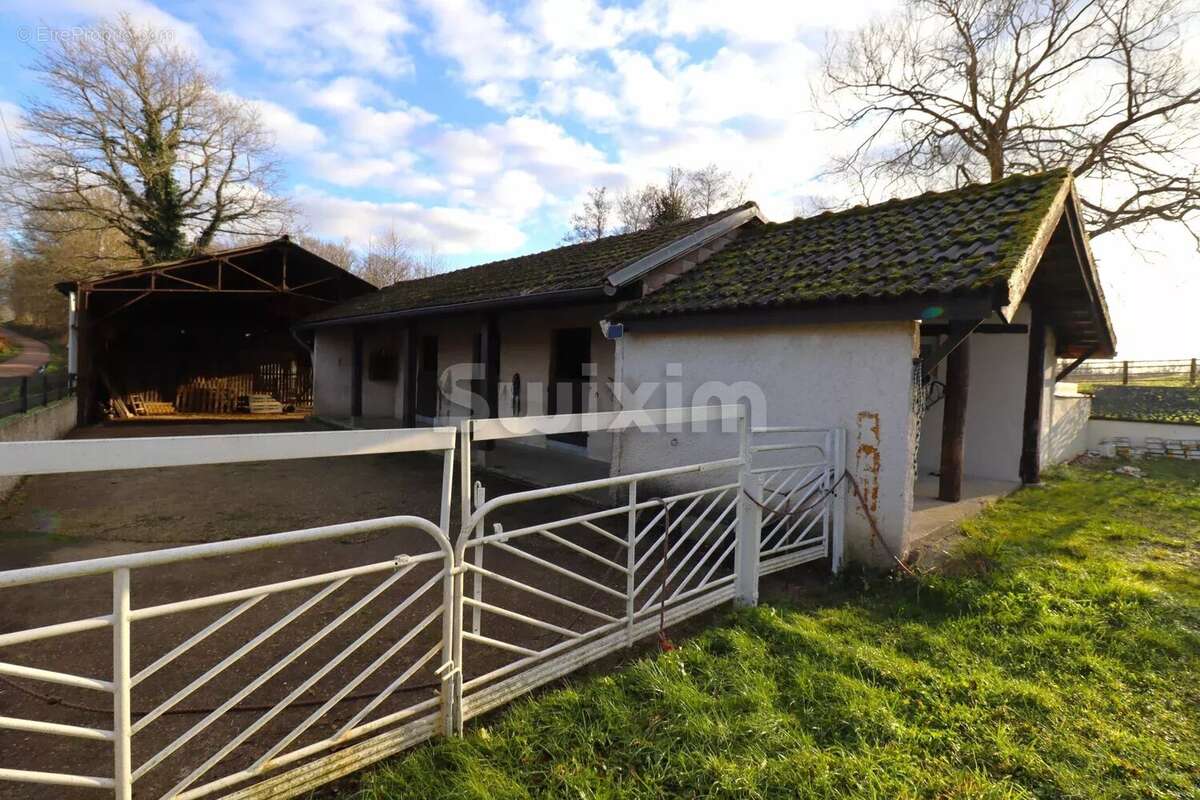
[265, 404]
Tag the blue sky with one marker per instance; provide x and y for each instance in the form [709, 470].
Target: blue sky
[474, 128]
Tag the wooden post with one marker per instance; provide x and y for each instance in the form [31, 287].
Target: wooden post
[954, 422]
[491, 366]
[1192, 375]
[491, 371]
[356, 373]
[410, 376]
[1035, 378]
[1124, 372]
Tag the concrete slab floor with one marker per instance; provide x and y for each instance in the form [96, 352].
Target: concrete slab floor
[542, 466]
[931, 516]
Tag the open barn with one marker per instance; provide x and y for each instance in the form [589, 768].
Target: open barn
[210, 335]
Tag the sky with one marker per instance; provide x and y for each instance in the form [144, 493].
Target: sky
[475, 129]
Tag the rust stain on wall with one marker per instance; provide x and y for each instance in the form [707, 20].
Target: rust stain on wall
[866, 457]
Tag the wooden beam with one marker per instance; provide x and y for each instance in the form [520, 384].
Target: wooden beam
[491, 369]
[954, 421]
[942, 329]
[410, 376]
[957, 335]
[250, 274]
[1067, 370]
[356, 372]
[124, 306]
[1035, 378]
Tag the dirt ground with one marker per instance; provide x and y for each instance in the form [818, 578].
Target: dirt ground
[60, 518]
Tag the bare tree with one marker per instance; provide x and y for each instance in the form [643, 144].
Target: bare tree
[636, 208]
[390, 259]
[953, 90]
[53, 246]
[134, 136]
[713, 189]
[340, 253]
[685, 194]
[592, 221]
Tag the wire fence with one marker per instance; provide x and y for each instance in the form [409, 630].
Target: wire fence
[1185, 371]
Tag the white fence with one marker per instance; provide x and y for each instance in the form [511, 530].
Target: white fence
[453, 624]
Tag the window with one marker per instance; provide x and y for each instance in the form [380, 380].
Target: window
[383, 365]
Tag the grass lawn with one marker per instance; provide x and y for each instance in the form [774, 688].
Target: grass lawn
[1058, 656]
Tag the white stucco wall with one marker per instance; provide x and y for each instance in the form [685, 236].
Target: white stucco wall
[1098, 430]
[995, 408]
[379, 397]
[525, 348]
[333, 352]
[1046, 424]
[1067, 436]
[855, 376]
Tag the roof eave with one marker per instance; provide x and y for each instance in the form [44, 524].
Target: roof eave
[1019, 279]
[591, 293]
[1066, 206]
[680, 247]
[964, 306]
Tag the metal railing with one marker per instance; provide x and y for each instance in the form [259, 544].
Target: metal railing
[19, 395]
[800, 517]
[594, 582]
[548, 591]
[262, 746]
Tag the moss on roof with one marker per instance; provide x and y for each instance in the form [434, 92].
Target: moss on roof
[577, 266]
[954, 242]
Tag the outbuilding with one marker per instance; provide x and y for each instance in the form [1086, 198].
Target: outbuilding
[209, 335]
[927, 327]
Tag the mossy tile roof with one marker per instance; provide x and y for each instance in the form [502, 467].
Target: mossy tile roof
[574, 267]
[942, 243]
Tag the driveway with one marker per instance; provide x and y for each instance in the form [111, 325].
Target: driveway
[33, 355]
[56, 518]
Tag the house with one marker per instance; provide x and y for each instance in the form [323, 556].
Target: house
[926, 327]
[201, 333]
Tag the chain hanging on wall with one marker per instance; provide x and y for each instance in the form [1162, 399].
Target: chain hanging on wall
[926, 393]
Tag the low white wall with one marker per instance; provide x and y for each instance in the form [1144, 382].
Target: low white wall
[44, 423]
[854, 376]
[1068, 434]
[1099, 430]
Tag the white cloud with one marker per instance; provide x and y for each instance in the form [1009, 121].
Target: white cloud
[764, 21]
[367, 115]
[293, 136]
[580, 25]
[312, 37]
[452, 231]
[485, 46]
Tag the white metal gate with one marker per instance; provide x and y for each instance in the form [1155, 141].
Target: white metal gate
[798, 486]
[252, 651]
[446, 626]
